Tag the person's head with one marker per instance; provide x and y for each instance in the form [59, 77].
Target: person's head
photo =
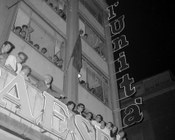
[71, 105]
[80, 108]
[89, 116]
[26, 69]
[81, 32]
[36, 46]
[51, 5]
[98, 118]
[56, 9]
[22, 57]
[102, 124]
[48, 79]
[109, 125]
[121, 133]
[82, 82]
[60, 62]
[23, 34]
[114, 129]
[24, 27]
[31, 42]
[17, 30]
[86, 36]
[60, 12]
[43, 50]
[55, 59]
[7, 47]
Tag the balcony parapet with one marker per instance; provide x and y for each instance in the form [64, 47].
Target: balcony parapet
[94, 56]
[50, 15]
[38, 61]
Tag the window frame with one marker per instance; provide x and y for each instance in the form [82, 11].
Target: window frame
[102, 77]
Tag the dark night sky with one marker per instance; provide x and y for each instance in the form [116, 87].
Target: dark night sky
[150, 30]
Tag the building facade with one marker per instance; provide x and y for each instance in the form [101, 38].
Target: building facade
[53, 28]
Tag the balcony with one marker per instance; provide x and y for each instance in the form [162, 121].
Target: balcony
[49, 13]
[39, 64]
[91, 54]
[93, 104]
[91, 19]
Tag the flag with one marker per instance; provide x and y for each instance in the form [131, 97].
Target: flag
[77, 54]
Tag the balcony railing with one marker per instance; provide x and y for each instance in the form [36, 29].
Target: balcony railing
[53, 59]
[94, 56]
[59, 8]
[98, 46]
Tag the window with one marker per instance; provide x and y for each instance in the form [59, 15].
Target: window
[94, 9]
[40, 35]
[92, 39]
[95, 82]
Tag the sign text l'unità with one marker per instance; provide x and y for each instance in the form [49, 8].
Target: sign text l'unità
[132, 113]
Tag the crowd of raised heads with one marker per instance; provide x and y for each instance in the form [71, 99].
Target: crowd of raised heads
[97, 120]
[15, 64]
[24, 32]
[58, 8]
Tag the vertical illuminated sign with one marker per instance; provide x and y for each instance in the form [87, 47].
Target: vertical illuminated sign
[132, 113]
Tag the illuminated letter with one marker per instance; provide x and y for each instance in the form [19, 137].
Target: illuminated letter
[119, 43]
[133, 113]
[21, 98]
[126, 84]
[117, 29]
[123, 64]
[36, 100]
[55, 116]
[110, 9]
[84, 127]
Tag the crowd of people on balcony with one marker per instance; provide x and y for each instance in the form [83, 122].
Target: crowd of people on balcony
[58, 6]
[16, 65]
[25, 32]
[95, 120]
